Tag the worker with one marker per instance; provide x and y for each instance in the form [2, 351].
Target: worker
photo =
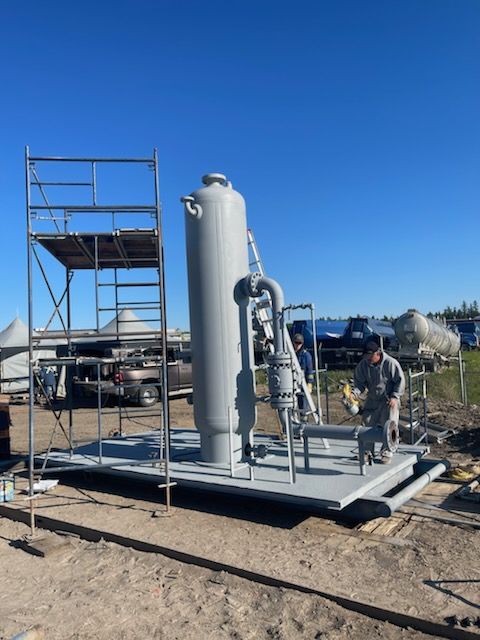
[47, 377]
[305, 361]
[382, 376]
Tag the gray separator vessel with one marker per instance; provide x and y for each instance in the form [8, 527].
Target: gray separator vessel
[220, 319]
[416, 331]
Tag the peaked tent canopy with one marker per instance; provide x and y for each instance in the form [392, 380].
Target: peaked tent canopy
[14, 338]
[14, 357]
[128, 323]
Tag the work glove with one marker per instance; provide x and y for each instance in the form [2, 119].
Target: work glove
[310, 387]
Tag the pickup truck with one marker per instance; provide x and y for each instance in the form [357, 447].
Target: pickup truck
[138, 382]
[142, 383]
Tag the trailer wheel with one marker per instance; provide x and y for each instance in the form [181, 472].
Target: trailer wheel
[148, 396]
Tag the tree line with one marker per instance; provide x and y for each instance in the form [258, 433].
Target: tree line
[464, 312]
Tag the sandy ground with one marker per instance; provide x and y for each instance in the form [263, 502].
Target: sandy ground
[104, 591]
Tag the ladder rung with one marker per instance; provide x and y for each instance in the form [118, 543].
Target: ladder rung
[128, 284]
[126, 305]
[263, 304]
[126, 413]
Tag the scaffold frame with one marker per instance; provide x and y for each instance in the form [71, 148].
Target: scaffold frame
[113, 251]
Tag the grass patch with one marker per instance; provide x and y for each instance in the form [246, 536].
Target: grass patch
[472, 376]
[444, 385]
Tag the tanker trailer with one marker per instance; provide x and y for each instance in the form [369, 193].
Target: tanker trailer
[425, 340]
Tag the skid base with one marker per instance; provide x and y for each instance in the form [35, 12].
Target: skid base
[333, 482]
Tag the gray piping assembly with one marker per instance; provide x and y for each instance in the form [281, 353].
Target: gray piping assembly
[280, 372]
[222, 344]
[366, 437]
[281, 385]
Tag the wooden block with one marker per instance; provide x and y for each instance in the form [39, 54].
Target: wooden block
[389, 525]
[406, 530]
[371, 525]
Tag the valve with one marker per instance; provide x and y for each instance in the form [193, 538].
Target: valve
[256, 451]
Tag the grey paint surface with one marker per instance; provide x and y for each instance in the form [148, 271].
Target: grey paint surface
[220, 319]
[333, 482]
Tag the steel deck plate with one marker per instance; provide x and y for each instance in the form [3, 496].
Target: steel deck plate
[124, 248]
[334, 480]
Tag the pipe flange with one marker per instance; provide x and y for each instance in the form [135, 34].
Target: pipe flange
[251, 284]
[392, 435]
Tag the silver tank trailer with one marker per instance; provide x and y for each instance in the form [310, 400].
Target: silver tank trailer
[413, 328]
[220, 319]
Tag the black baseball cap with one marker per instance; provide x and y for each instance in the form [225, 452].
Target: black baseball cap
[371, 347]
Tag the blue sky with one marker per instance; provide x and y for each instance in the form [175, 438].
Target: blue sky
[350, 127]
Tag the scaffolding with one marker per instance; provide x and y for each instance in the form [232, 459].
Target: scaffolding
[417, 406]
[68, 221]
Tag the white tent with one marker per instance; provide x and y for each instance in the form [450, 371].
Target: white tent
[127, 323]
[14, 357]
[14, 346]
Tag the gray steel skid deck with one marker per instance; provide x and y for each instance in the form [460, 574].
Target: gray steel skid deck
[333, 482]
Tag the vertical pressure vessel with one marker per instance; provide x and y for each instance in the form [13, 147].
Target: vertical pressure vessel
[220, 320]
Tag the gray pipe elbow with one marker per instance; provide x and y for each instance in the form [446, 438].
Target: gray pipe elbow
[192, 208]
[254, 285]
[275, 290]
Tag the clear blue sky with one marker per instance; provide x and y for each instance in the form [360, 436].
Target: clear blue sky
[350, 127]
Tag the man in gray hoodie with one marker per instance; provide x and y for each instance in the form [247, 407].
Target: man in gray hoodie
[383, 378]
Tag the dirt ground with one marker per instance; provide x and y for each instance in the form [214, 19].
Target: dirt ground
[464, 446]
[101, 590]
